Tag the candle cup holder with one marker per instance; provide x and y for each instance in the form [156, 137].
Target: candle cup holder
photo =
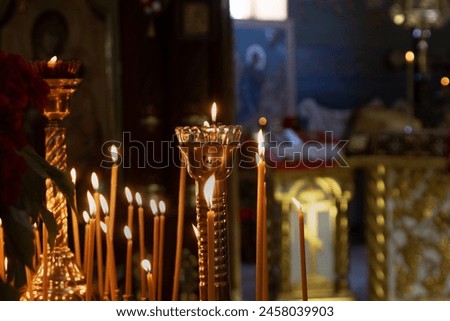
[210, 151]
[64, 280]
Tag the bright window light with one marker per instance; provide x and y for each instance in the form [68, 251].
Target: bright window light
[259, 9]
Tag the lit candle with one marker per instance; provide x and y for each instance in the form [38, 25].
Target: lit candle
[99, 244]
[156, 238]
[37, 242]
[209, 191]
[145, 264]
[129, 197]
[52, 62]
[44, 263]
[180, 228]
[301, 231]
[162, 211]
[128, 266]
[86, 241]
[113, 189]
[409, 58]
[76, 233]
[213, 113]
[2, 253]
[141, 240]
[29, 282]
[91, 245]
[111, 261]
[261, 279]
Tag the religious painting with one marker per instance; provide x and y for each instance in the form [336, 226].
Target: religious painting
[265, 71]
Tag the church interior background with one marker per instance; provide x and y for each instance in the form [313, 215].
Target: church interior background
[354, 129]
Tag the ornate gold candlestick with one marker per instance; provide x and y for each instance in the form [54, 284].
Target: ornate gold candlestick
[209, 150]
[61, 279]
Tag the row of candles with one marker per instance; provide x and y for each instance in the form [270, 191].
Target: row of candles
[151, 274]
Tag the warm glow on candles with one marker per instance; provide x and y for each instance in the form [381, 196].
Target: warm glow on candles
[94, 181]
[206, 124]
[76, 233]
[301, 228]
[114, 153]
[156, 245]
[213, 112]
[141, 240]
[2, 253]
[162, 211]
[209, 191]
[73, 175]
[261, 245]
[128, 266]
[196, 232]
[113, 188]
[104, 204]
[147, 267]
[52, 62]
[409, 56]
[91, 203]
[129, 197]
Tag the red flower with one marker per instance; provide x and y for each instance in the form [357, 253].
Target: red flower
[20, 88]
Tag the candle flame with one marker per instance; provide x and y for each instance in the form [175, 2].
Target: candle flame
[128, 195]
[209, 189]
[162, 207]
[34, 225]
[297, 203]
[145, 264]
[409, 56]
[213, 112]
[94, 181]
[73, 175]
[114, 153]
[138, 199]
[261, 149]
[1, 222]
[86, 217]
[91, 201]
[153, 207]
[52, 62]
[6, 264]
[196, 231]
[104, 204]
[127, 232]
[104, 227]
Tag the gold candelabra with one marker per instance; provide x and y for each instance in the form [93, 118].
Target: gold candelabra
[209, 150]
[58, 277]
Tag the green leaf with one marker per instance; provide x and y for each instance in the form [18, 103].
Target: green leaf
[19, 233]
[50, 224]
[42, 168]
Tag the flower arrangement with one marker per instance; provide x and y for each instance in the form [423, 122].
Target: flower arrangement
[22, 171]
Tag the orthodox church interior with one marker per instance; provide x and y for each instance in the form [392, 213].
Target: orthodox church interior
[353, 102]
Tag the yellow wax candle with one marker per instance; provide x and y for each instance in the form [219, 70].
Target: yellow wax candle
[130, 213]
[265, 273]
[113, 189]
[29, 277]
[37, 243]
[301, 231]
[260, 204]
[141, 241]
[162, 211]
[74, 212]
[156, 238]
[86, 241]
[45, 264]
[180, 228]
[129, 267]
[146, 266]
[2, 253]
[91, 246]
[111, 264]
[209, 191]
[98, 241]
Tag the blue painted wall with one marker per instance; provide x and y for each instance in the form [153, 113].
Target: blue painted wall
[341, 53]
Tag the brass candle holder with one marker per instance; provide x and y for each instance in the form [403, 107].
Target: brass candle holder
[209, 150]
[59, 279]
